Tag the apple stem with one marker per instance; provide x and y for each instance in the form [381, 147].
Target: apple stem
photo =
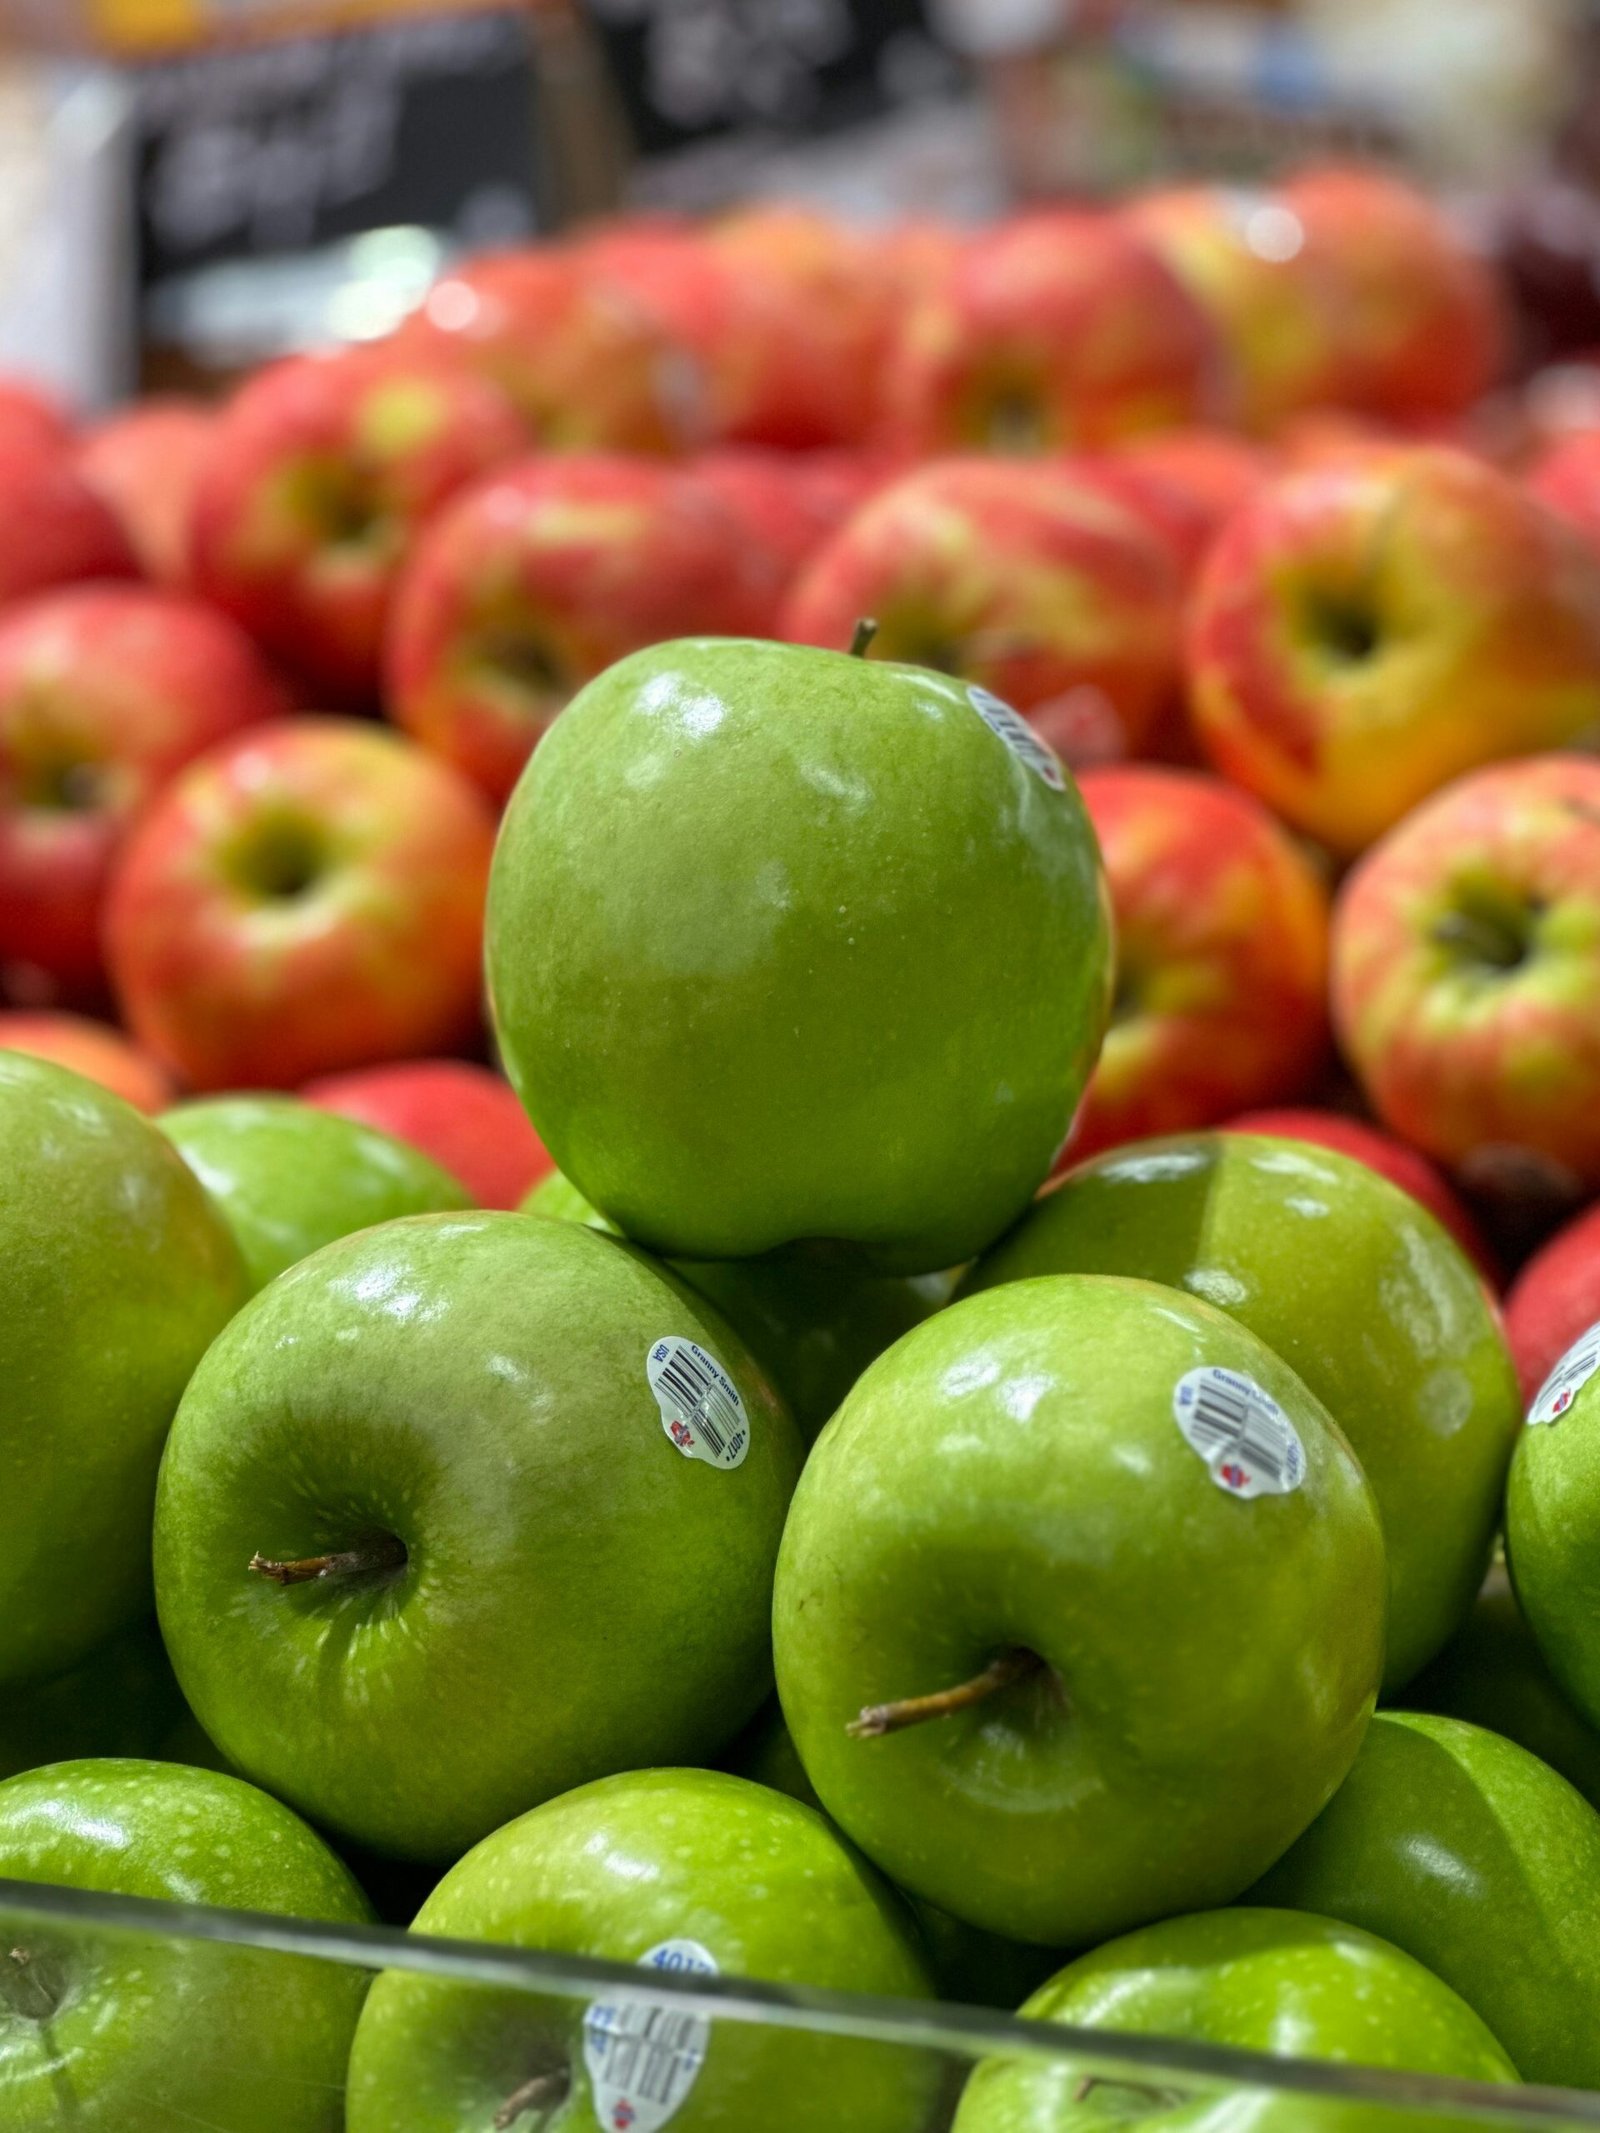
[861, 642]
[881, 1718]
[539, 2094]
[383, 1553]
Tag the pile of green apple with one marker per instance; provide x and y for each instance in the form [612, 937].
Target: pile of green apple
[1080, 1534]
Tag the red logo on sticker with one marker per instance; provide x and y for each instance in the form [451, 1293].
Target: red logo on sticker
[623, 2116]
[1234, 1476]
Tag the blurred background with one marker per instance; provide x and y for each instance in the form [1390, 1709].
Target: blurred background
[190, 186]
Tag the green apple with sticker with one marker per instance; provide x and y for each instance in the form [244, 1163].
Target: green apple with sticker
[1553, 1522]
[793, 949]
[463, 1511]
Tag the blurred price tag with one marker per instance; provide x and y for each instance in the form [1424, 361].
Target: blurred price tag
[145, 26]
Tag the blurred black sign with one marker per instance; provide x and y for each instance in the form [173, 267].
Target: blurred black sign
[688, 70]
[257, 150]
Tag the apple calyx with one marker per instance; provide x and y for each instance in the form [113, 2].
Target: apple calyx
[541, 2094]
[29, 1990]
[861, 643]
[383, 1552]
[1145, 2095]
[1495, 939]
[879, 1719]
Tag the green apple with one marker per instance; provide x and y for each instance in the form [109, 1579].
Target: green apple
[461, 1512]
[1476, 1858]
[131, 2034]
[1494, 1674]
[289, 1178]
[813, 1325]
[1079, 1610]
[971, 1967]
[690, 1871]
[1360, 1290]
[122, 1700]
[1553, 1523]
[786, 946]
[1264, 1981]
[116, 1273]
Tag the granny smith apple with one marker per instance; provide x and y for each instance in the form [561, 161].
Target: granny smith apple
[1553, 1523]
[116, 1272]
[788, 946]
[685, 1871]
[971, 1967]
[813, 1325]
[289, 1178]
[1265, 1981]
[1079, 1610]
[1476, 1858]
[122, 1700]
[135, 2034]
[463, 1511]
[1493, 1674]
[1360, 1290]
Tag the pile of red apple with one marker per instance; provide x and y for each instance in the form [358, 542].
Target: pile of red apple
[1203, 488]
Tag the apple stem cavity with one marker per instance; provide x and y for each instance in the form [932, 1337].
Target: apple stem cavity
[28, 1990]
[384, 1552]
[861, 642]
[882, 1718]
[541, 2094]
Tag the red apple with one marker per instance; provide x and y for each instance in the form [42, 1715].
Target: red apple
[465, 1117]
[1187, 483]
[1058, 331]
[1392, 1159]
[93, 1050]
[787, 505]
[30, 416]
[54, 530]
[1367, 630]
[106, 691]
[1554, 1299]
[1222, 957]
[306, 898]
[1016, 575]
[1466, 971]
[535, 580]
[146, 465]
[1422, 323]
[1567, 478]
[321, 473]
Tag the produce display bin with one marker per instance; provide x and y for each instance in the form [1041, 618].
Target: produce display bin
[586, 2032]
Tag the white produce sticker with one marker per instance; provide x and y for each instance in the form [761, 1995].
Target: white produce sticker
[701, 1410]
[645, 2058]
[1240, 1431]
[1567, 1380]
[1019, 737]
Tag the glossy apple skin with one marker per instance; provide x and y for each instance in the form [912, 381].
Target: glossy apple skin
[1266, 1981]
[1476, 1858]
[1492, 1673]
[92, 1049]
[1020, 576]
[289, 1179]
[153, 2034]
[321, 473]
[101, 1226]
[57, 530]
[1221, 924]
[1554, 1299]
[775, 936]
[1058, 330]
[1362, 1294]
[106, 692]
[146, 463]
[1466, 954]
[1171, 1759]
[537, 580]
[1371, 628]
[476, 1387]
[1553, 1544]
[1391, 1159]
[464, 1116]
[305, 900]
[612, 1870]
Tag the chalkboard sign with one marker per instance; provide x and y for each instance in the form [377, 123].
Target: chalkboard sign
[254, 151]
[688, 72]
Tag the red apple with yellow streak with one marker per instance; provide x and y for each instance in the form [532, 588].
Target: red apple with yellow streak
[1369, 629]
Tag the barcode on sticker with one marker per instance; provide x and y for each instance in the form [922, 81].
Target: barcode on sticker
[1567, 1380]
[1019, 737]
[1239, 1430]
[643, 2058]
[701, 1410]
